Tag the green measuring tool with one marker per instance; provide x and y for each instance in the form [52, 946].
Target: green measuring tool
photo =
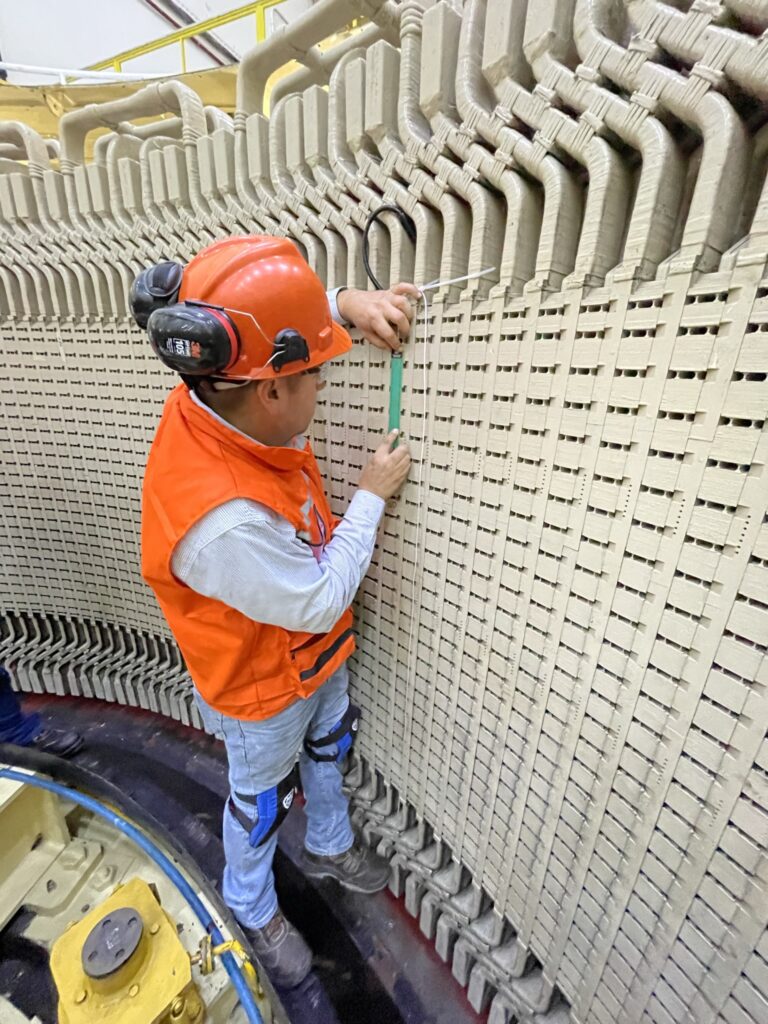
[396, 361]
[395, 391]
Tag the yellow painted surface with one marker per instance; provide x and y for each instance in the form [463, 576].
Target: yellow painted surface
[156, 979]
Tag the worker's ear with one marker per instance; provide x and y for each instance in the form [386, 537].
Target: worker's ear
[269, 392]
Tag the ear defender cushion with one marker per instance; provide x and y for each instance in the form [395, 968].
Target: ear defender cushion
[155, 288]
[194, 340]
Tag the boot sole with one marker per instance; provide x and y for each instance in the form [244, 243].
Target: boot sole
[284, 985]
[287, 981]
[347, 884]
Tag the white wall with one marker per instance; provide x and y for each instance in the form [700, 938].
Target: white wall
[75, 33]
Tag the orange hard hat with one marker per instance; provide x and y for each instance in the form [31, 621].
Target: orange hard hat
[248, 308]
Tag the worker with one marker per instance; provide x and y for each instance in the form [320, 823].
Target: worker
[251, 570]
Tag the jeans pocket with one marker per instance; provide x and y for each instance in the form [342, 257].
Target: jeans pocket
[213, 721]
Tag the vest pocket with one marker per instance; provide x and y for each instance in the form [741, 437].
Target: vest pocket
[325, 656]
[311, 660]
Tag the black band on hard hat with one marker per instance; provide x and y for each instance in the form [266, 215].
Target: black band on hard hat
[290, 347]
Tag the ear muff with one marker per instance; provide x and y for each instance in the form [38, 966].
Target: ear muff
[155, 288]
[290, 347]
[194, 340]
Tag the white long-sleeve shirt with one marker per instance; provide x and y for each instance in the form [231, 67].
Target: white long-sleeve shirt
[252, 559]
[244, 554]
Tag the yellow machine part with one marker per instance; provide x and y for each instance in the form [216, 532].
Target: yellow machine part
[152, 985]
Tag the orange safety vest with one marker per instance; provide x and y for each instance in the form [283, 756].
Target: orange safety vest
[243, 668]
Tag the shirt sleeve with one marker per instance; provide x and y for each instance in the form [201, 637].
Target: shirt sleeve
[249, 558]
[333, 302]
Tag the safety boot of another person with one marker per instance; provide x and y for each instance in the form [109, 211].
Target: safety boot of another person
[281, 951]
[59, 742]
[358, 868]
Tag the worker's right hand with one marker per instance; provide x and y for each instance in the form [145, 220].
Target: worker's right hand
[383, 317]
[387, 468]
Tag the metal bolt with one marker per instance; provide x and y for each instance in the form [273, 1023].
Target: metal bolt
[154, 929]
[177, 1007]
[133, 990]
[81, 996]
[74, 855]
[104, 876]
[195, 1010]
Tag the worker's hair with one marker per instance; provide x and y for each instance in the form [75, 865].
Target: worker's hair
[228, 400]
[224, 401]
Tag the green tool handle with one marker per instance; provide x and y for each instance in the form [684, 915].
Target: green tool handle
[395, 391]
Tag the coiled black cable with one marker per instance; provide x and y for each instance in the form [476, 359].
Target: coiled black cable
[407, 223]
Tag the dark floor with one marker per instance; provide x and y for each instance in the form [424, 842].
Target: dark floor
[372, 965]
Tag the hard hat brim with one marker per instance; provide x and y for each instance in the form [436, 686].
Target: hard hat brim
[341, 343]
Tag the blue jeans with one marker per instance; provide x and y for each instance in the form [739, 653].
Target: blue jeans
[261, 754]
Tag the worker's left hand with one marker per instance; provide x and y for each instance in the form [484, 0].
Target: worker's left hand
[384, 317]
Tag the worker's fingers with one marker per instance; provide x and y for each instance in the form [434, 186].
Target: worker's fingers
[385, 331]
[400, 467]
[378, 342]
[394, 346]
[399, 460]
[386, 446]
[404, 304]
[401, 452]
[399, 321]
[387, 469]
[394, 457]
[406, 288]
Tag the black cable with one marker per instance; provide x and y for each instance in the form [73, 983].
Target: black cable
[407, 223]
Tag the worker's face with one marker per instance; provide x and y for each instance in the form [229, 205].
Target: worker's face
[299, 401]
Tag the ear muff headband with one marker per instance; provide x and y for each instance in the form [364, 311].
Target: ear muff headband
[194, 340]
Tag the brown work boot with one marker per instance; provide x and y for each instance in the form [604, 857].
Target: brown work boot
[281, 951]
[358, 869]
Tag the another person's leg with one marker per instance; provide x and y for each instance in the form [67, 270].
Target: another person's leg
[262, 757]
[330, 850]
[26, 730]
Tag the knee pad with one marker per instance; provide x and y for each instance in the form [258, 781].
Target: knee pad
[271, 808]
[343, 735]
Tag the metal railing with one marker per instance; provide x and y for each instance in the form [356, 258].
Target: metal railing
[258, 10]
[65, 75]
